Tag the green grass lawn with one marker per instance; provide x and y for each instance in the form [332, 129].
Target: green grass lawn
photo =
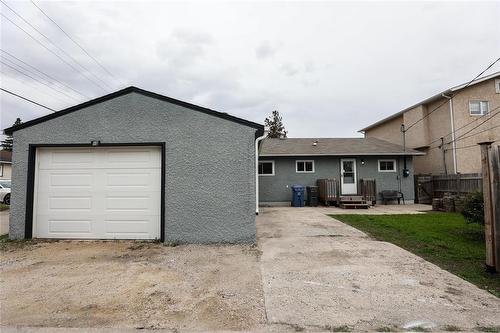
[441, 238]
[4, 207]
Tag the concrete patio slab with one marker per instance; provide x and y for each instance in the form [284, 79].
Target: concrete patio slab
[319, 273]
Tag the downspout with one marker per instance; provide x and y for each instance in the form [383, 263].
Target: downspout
[257, 140]
[453, 143]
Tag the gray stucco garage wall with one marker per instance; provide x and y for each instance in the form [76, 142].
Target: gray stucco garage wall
[277, 188]
[209, 163]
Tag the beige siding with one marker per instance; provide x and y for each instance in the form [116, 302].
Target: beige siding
[388, 131]
[469, 159]
[7, 171]
[425, 134]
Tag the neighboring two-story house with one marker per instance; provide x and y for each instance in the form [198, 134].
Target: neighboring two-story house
[470, 117]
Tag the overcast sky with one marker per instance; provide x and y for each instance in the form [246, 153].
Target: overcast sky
[330, 68]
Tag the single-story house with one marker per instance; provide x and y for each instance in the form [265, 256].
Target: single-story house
[135, 165]
[288, 161]
[5, 164]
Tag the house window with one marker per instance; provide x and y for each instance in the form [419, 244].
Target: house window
[1, 170]
[497, 86]
[266, 168]
[387, 165]
[478, 108]
[304, 166]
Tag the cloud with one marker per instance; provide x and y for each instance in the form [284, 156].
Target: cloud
[344, 66]
[183, 47]
[265, 50]
[289, 69]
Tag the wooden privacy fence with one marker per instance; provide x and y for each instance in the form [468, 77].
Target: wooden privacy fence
[428, 187]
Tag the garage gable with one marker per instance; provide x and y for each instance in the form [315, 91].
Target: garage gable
[128, 90]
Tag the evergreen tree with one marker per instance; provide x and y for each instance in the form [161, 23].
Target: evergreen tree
[275, 124]
[7, 143]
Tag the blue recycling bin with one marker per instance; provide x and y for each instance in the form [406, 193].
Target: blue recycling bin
[297, 196]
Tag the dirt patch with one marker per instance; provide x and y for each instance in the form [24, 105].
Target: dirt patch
[130, 284]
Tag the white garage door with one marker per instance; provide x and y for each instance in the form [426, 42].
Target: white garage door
[98, 193]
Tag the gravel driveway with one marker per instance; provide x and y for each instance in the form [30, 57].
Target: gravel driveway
[130, 285]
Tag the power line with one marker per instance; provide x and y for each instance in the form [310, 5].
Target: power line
[38, 80]
[440, 105]
[462, 136]
[54, 45]
[27, 99]
[43, 73]
[481, 131]
[51, 51]
[74, 41]
[467, 124]
[34, 86]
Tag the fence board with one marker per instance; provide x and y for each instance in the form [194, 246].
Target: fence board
[428, 187]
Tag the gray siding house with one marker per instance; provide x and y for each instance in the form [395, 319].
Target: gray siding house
[135, 165]
[290, 161]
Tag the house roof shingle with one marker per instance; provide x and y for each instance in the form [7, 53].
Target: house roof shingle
[331, 147]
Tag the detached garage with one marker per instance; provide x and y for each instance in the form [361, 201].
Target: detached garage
[135, 165]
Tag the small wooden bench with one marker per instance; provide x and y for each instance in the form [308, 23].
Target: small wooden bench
[389, 195]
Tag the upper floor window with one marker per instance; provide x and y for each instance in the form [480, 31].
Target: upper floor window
[497, 86]
[304, 166]
[266, 168]
[479, 108]
[386, 165]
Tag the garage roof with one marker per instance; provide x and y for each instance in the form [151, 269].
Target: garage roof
[129, 90]
[331, 147]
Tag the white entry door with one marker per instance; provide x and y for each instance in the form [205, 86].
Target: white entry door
[348, 176]
[97, 193]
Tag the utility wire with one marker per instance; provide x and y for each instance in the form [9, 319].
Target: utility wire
[39, 81]
[74, 41]
[33, 85]
[481, 131]
[51, 51]
[462, 136]
[451, 97]
[57, 47]
[44, 74]
[491, 113]
[473, 128]
[27, 99]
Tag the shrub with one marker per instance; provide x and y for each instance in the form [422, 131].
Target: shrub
[473, 208]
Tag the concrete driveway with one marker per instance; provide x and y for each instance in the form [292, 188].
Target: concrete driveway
[319, 273]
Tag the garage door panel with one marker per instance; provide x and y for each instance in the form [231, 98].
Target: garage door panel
[69, 179]
[101, 195]
[131, 178]
[65, 203]
[62, 158]
[140, 156]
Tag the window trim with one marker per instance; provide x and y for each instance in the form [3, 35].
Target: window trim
[304, 161]
[480, 111]
[387, 160]
[268, 174]
[1, 169]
